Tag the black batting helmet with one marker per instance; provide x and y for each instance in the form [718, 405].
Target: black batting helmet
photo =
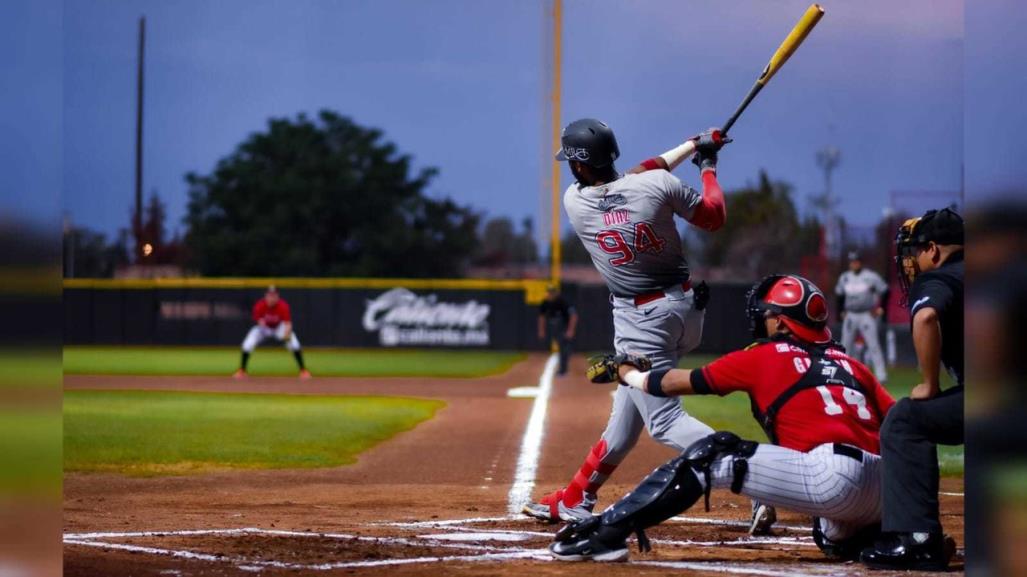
[589, 141]
[797, 301]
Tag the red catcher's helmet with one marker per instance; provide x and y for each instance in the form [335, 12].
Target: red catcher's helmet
[798, 302]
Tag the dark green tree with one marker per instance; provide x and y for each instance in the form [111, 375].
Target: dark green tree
[572, 251]
[763, 233]
[501, 245]
[88, 254]
[323, 197]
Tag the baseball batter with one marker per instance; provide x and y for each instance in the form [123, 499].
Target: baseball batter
[821, 409]
[862, 294]
[274, 321]
[626, 222]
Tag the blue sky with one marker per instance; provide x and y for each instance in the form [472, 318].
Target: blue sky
[460, 84]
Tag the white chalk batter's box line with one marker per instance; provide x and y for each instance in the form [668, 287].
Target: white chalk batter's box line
[477, 552]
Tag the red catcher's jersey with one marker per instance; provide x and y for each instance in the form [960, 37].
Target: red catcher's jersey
[272, 316]
[825, 414]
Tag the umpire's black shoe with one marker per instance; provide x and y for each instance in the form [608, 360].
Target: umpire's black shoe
[909, 552]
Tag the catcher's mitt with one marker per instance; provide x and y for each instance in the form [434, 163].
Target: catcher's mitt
[604, 368]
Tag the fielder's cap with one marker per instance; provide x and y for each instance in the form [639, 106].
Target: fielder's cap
[272, 289]
[854, 255]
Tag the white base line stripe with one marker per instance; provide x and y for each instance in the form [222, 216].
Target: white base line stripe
[444, 522]
[519, 554]
[736, 543]
[78, 538]
[729, 523]
[719, 568]
[476, 552]
[531, 445]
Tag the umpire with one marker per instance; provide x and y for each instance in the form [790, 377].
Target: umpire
[930, 258]
[557, 321]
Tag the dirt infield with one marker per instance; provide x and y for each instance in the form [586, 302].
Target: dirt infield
[431, 500]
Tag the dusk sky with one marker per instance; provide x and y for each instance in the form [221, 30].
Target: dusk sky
[460, 85]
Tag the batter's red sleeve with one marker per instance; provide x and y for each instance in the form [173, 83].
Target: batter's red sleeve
[654, 164]
[711, 213]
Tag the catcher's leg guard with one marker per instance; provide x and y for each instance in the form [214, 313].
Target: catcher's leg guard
[674, 487]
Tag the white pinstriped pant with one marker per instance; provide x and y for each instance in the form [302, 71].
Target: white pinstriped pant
[843, 492]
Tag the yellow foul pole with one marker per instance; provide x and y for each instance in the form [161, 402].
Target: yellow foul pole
[555, 115]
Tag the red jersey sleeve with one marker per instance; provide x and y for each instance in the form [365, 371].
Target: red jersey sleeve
[737, 371]
[283, 311]
[711, 213]
[258, 310]
[880, 396]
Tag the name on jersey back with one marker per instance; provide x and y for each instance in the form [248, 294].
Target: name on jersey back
[616, 217]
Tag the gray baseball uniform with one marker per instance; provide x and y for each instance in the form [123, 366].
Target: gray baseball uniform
[628, 228]
[862, 291]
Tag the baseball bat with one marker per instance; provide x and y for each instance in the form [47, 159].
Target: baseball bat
[784, 51]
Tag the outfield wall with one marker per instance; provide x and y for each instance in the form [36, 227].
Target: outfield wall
[500, 315]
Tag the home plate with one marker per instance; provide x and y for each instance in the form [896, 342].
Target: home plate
[523, 392]
[477, 537]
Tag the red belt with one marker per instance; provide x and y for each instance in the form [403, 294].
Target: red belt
[646, 298]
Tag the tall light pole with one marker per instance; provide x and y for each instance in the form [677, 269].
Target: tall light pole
[828, 158]
[137, 219]
[555, 248]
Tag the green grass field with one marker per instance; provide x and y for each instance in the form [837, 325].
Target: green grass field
[279, 362]
[733, 413]
[152, 433]
[148, 433]
[30, 452]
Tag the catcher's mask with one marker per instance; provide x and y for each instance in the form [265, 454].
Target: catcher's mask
[589, 141]
[942, 227]
[798, 303]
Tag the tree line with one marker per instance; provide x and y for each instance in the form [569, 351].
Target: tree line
[325, 196]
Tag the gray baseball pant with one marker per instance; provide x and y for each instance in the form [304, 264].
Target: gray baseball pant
[866, 324]
[663, 330]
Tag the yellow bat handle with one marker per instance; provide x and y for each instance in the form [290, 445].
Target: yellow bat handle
[794, 39]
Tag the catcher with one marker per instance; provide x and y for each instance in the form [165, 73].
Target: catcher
[821, 410]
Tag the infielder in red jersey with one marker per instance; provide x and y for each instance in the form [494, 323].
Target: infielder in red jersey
[273, 321]
[821, 409]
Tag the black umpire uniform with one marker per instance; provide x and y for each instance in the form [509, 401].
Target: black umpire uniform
[557, 322]
[912, 535]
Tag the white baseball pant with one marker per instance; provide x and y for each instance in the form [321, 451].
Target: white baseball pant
[259, 334]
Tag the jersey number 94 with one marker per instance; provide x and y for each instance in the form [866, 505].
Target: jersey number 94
[645, 240]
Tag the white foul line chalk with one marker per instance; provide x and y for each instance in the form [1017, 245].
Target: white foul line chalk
[531, 445]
